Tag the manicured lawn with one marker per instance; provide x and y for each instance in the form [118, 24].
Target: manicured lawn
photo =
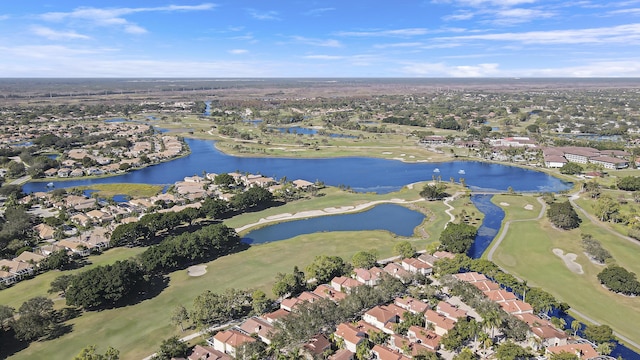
[515, 209]
[128, 189]
[138, 329]
[526, 252]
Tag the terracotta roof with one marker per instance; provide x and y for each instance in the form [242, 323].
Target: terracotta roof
[427, 337]
[516, 307]
[584, 351]
[207, 353]
[486, 285]
[411, 304]
[233, 338]
[342, 354]
[471, 277]
[439, 320]
[450, 311]
[500, 295]
[349, 333]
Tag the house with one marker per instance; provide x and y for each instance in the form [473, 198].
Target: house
[397, 271]
[345, 284]
[8, 278]
[315, 347]
[207, 353]
[29, 257]
[45, 232]
[424, 336]
[450, 311]
[486, 285]
[75, 247]
[327, 292]
[47, 250]
[274, 316]
[444, 255]
[381, 317]
[342, 354]
[410, 304]
[258, 326]
[583, 351]
[416, 266]
[441, 323]
[381, 352]
[229, 341]
[99, 216]
[302, 184]
[18, 268]
[471, 277]
[515, 307]
[350, 335]
[81, 219]
[428, 259]
[544, 330]
[500, 295]
[369, 277]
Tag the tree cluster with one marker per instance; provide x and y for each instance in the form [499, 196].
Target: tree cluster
[620, 280]
[594, 249]
[175, 252]
[563, 215]
[571, 168]
[629, 183]
[458, 238]
[435, 191]
[106, 286]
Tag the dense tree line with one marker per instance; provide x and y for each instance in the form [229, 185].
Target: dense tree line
[629, 183]
[175, 252]
[404, 121]
[620, 280]
[106, 286]
[16, 231]
[563, 215]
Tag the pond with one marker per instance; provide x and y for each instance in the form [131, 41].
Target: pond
[357, 173]
[390, 217]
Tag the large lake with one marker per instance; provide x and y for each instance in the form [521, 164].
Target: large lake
[359, 173]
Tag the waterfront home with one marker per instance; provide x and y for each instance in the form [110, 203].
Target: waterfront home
[583, 351]
[515, 307]
[471, 277]
[500, 295]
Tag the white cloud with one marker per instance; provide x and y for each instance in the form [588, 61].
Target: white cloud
[519, 15]
[4, 17]
[442, 69]
[323, 57]
[393, 33]
[399, 45]
[113, 17]
[318, 12]
[238, 51]
[317, 42]
[459, 16]
[625, 34]
[57, 35]
[265, 15]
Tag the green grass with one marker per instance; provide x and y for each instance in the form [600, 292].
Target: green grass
[138, 329]
[526, 252]
[131, 190]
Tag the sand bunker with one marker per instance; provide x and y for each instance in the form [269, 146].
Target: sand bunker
[569, 260]
[528, 207]
[197, 270]
[504, 204]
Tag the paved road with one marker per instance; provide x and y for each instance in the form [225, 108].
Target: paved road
[20, 181]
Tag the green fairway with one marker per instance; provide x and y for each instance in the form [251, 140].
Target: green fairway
[526, 252]
[137, 330]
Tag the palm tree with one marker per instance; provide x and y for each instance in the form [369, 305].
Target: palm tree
[575, 326]
[491, 320]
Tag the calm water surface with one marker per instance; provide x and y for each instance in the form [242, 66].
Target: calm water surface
[393, 218]
[358, 173]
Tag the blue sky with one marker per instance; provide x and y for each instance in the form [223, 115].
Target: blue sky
[347, 38]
